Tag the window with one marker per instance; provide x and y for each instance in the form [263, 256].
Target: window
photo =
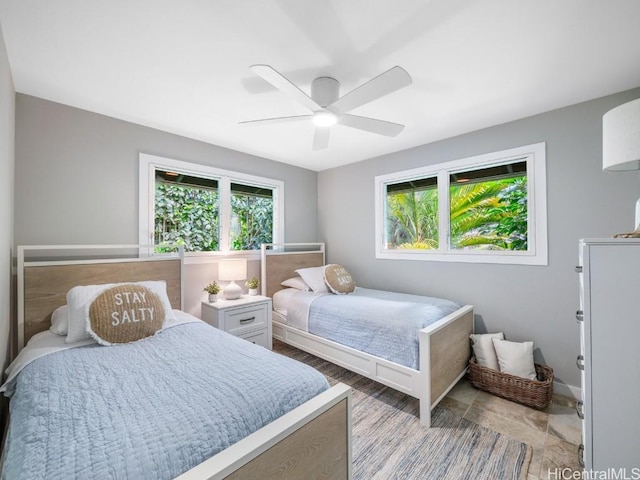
[412, 212]
[490, 208]
[251, 216]
[206, 209]
[186, 211]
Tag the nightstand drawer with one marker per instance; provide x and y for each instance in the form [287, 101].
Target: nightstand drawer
[259, 338]
[246, 319]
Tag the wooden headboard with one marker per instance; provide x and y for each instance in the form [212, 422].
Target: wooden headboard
[280, 261]
[43, 285]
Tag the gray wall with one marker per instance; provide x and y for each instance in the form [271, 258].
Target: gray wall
[7, 162]
[77, 174]
[77, 180]
[526, 302]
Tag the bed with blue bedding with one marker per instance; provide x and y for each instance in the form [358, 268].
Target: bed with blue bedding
[416, 344]
[114, 380]
[381, 323]
[385, 324]
[151, 409]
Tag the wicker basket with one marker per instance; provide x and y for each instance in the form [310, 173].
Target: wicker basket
[532, 393]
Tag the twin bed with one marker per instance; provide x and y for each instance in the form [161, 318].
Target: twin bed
[425, 359]
[192, 402]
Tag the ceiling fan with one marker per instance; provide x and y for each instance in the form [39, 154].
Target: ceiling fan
[328, 108]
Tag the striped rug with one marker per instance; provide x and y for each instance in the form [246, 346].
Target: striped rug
[389, 443]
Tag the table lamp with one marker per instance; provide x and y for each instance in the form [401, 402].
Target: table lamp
[621, 145]
[230, 270]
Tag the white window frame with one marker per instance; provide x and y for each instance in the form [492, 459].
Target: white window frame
[150, 163]
[537, 253]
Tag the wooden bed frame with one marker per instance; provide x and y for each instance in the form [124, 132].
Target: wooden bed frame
[444, 346]
[312, 441]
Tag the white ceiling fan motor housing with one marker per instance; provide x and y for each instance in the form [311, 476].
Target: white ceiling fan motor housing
[325, 90]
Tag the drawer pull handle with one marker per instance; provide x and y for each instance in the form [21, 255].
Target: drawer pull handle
[247, 320]
[580, 362]
[579, 269]
[579, 315]
[581, 455]
[580, 409]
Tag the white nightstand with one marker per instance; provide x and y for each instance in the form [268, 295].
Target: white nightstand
[248, 317]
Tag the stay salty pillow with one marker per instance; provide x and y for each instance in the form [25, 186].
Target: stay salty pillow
[81, 298]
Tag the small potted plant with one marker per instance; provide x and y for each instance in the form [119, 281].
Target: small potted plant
[212, 289]
[252, 284]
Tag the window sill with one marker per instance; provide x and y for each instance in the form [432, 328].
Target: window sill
[193, 258]
[514, 258]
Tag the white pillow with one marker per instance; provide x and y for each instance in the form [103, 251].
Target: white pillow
[483, 349]
[296, 282]
[60, 320]
[281, 299]
[314, 277]
[80, 299]
[515, 358]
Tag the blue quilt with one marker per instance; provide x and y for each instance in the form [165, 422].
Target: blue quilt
[150, 409]
[384, 324]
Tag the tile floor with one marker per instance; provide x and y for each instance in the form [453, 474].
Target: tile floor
[553, 433]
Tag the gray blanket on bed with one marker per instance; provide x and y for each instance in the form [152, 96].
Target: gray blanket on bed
[385, 324]
[150, 409]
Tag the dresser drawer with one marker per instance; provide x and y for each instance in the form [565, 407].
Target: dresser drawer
[245, 319]
[259, 337]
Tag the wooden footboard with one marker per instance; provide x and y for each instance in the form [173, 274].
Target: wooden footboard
[444, 355]
[312, 441]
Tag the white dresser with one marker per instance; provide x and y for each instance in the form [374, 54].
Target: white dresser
[609, 319]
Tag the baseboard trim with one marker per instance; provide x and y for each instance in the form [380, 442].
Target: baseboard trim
[567, 390]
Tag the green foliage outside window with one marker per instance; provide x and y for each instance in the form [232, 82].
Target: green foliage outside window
[513, 208]
[413, 219]
[252, 221]
[490, 215]
[186, 216]
[189, 216]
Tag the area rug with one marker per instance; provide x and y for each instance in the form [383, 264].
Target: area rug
[390, 443]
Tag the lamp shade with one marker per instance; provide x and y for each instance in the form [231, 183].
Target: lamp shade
[621, 137]
[232, 269]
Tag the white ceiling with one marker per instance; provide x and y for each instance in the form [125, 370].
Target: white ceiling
[183, 66]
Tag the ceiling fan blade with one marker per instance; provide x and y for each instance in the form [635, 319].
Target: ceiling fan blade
[284, 85]
[393, 79]
[293, 118]
[321, 138]
[372, 125]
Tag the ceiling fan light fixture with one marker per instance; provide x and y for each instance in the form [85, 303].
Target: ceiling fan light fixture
[324, 118]
[328, 108]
